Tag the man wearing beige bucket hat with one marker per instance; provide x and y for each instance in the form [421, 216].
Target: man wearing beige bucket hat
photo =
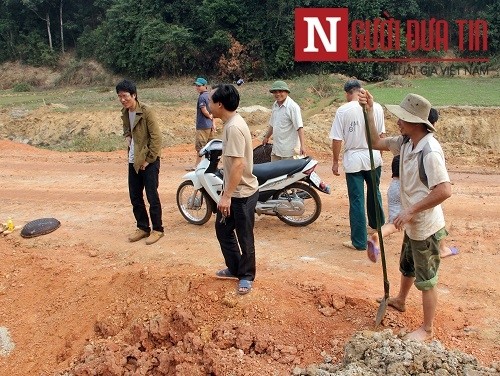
[421, 217]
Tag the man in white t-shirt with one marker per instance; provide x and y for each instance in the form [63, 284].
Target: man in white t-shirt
[422, 216]
[349, 127]
[285, 125]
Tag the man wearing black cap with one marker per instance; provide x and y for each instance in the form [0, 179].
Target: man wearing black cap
[349, 127]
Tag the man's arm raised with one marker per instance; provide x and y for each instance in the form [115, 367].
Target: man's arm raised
[365, 100]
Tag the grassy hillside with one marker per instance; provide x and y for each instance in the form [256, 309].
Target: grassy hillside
[312, 92]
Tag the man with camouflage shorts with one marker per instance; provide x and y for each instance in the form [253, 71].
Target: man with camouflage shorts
[205, 126]
[422, 216]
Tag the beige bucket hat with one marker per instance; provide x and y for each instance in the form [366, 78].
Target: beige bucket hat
[413, 109]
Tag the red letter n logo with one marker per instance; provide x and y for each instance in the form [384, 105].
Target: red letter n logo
[321, 34]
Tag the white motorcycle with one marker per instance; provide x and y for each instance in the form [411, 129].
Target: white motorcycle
[287, 188]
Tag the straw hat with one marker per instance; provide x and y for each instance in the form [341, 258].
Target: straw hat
[413, 109]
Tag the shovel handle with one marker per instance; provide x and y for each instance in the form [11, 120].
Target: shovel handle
[375, 199]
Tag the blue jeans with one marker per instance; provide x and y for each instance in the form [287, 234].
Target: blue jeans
[147, 180]
[357, 217]
[236, 238]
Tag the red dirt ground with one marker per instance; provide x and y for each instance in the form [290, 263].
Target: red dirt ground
[83, 286]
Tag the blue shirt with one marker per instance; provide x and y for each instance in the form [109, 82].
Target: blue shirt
[202, 122]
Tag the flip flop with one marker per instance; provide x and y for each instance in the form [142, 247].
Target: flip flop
[372, 251]
[225, 274]
[453, 252]
[244, 286]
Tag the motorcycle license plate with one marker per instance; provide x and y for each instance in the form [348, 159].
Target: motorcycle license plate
[316, 180]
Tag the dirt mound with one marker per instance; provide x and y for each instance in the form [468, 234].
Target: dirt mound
[175, 344]
[468, 135]
[16, 73]
[68, 72]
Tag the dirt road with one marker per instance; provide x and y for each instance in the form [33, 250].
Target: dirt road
[84, 291]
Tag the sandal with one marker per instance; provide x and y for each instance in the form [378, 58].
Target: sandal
[372, 251]
[225, 274]
[244, 286]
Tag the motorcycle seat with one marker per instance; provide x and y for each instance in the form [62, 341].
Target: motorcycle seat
[269, 170]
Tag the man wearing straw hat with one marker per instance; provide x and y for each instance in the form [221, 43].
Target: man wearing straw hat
[422, 216]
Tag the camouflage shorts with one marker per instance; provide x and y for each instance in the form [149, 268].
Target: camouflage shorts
[202, 137]
[420, 259]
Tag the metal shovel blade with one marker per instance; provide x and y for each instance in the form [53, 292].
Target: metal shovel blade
[381, 311]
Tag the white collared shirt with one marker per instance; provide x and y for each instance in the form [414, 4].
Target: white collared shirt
[286, 121]
[430, 221]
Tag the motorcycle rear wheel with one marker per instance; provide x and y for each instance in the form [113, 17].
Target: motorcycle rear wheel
[309, 197]
[195, 209]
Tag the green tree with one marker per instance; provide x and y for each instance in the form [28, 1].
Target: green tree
[491, 13]
[152, 38]
[8, 34]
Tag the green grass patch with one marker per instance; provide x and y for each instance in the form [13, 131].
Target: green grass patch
[441, 91]
[312, 92]
[315, 92]
[100, 98]
[21, 87]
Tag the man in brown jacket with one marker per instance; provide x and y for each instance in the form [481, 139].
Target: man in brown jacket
[144, 140]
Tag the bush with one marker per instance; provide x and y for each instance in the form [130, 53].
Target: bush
[84, 72]
[34, 50]
[22, 87]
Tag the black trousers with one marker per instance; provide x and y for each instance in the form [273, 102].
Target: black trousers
[146, 180]
[235, 235]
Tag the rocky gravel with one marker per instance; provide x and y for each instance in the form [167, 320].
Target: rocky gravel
[383, 353]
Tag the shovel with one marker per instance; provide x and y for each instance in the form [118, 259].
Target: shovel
[383, 303]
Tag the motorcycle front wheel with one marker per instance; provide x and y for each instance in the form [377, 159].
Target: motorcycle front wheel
[195, 205]
[310, 199]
